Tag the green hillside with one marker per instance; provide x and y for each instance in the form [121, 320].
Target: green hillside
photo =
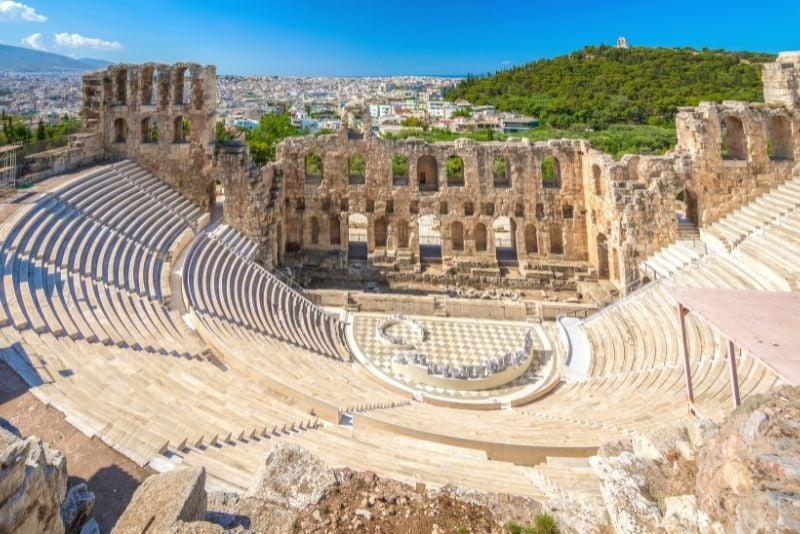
[602, 85]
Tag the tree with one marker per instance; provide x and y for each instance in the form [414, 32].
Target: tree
[271, 130]
[221, 133]
[41, 134]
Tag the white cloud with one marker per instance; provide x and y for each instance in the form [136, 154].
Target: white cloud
[34, 41]
[18, 12]
[75, 40]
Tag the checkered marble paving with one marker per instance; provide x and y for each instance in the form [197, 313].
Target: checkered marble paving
[457, 341]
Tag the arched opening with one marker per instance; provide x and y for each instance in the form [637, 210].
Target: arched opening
[314, 237]
[181, 83]
[381, 231]
[779, 139]
[401, 233]
[505, 240]
[733, 143]
[147, 86]
[427, 173]
[121, 84]
[120, 130]
[457, 236]
[180, 129]
[602, 257]
[479, 234]
[294, 234]
[357, 225]
[356, 169]
[335, 230]
[278, 239]
[455, 171]
[556, 239]
[145, 130]
[686, 207]
[314, 168]
[531, 240]
[399, 170]
[500, 172]
[430, 239]
[597, 179]
[162, 80]
[551, 172]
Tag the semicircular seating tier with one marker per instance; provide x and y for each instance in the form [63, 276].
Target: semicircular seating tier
[84, 319]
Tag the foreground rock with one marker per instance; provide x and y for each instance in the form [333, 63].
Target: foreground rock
[33, 480]
[162, 500]
[741, 477]
[748, 476]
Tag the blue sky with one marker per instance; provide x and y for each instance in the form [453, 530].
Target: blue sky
[311, 37]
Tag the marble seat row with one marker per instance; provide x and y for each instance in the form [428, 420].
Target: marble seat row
[767, 209]
[221, 283]
[141, 403]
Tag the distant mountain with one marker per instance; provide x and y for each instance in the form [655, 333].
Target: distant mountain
[94, 63]
[20, 59]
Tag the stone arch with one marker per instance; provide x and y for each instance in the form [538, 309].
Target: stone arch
[779, 138]
[551, 172]
[733, 142]
[556, 239]
[380, 231]
[455, 171]
[121, 86]
[500, 172]
[357, 227]
[531, 240]
[145, 130]
[120, 130]
[147, 86]
[181, 80]
[294, 234]
[401, 233]
[162, 80]
[602, 257]
[400, 169]
[505, 240]
[356, 169]
[597, 179]
[479, 234]
[689, 211]
[427, 173]
[334, 230]
[430, 238]
[314, 168]
[314, 237]
[180, 129]
[456, 236]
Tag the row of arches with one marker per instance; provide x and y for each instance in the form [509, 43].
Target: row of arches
[149, 131]
[427, 171]
[156, 87]
[733, 139]
[430, 234]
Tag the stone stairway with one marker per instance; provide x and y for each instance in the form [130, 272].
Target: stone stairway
[727, 233]
[564, 477]
[672, 259]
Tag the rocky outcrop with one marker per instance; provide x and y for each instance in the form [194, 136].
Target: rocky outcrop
[33, 479]
[748, 475]
[164, 499]
[743, 476]
[291, 477]
[76, 508]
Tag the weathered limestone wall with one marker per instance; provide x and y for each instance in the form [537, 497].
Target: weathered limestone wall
[465, 211]
[163, 116]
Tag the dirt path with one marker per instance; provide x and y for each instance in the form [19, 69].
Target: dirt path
[112, 477]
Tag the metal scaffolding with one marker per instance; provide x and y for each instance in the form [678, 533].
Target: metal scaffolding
[9, 156]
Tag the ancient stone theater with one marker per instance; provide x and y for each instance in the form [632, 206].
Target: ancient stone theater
[477, 314]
